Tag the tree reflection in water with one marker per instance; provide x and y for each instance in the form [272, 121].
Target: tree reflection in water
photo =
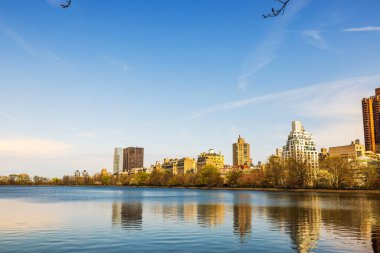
[128, 215]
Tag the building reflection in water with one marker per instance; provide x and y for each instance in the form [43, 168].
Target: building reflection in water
[300, 216]
[376, 239]
[301, 220]
[305, 223]
[180, 211]
[128, 215]
[190, 211]
[211, 215]
[242, 216]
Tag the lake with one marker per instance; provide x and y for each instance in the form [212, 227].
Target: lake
[118, 219]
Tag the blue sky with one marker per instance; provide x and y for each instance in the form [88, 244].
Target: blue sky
[178, 78]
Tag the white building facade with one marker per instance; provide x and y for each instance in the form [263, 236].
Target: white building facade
[301, 146]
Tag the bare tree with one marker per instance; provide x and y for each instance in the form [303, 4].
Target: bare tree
[276, 12]
[339, 169]
[275, 171]
[66, 5]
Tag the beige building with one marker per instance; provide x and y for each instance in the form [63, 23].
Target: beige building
[179, 166]
[241, 153]
[186, 165]
[279, 152]
[352, 151]
[171, 165]
[323, 154]
[210, 158]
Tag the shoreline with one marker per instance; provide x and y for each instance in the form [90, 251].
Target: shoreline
[310, 190]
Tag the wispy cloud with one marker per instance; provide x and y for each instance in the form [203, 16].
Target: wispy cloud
[267, 49]
[54, 56]
[8, 116]
[32, 147]
[363, 29]
[19, 41]
[86, 134]
[116, 62]
[315, 38]
[333, 101]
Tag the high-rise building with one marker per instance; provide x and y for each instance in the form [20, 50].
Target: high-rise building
[133, 157]
[371, 122]
[301, 146]
[118, 161]
[210, 158]
[241, 153]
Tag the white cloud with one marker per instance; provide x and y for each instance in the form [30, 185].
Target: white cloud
[32, 147]
[266, 50]
[316, 38]
[116, 62]
[363, 29]
[54, 56]
[330, 99]
[17, 39]
[8, 116]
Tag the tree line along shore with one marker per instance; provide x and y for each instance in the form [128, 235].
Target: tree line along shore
[334, 173]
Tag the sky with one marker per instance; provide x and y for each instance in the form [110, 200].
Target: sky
[178, 78]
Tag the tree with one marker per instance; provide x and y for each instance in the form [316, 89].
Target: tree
[255, 178]
[209, 176]
[24, 179]
[40, 180]
[13, 178]
[105, 179]
[177, 180]
[233, 176]
[324, 179]
[370, 175]
[190, 179]
[159, 177]
[56, 181]
[339, 169]
[141, 178]
[299, 174]
[275, 171]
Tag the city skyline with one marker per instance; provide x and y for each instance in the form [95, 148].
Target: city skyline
[74, 85]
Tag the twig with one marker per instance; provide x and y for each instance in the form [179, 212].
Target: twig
[66, 5]
[278, 11]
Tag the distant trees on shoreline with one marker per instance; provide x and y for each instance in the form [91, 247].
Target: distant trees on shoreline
[334, 173]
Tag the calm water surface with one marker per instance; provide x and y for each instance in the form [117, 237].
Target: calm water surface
[90, 219]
